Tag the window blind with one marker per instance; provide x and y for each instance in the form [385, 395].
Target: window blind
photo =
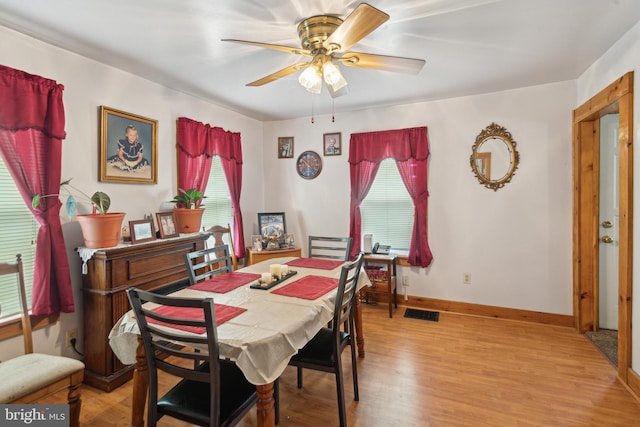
[218, 209]
[18, 232]
[387, 211]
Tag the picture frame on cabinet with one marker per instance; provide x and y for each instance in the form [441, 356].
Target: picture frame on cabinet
[142, 231]
[272, 224]
[166, 225]
[128, 147]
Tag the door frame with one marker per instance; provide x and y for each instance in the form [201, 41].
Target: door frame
[615, 98]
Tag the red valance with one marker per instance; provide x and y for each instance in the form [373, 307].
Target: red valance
[399, 144]
[197, 139]
[40, 101]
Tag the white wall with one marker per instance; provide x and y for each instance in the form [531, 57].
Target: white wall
[89, 84]
[622, 57]
[515, 242]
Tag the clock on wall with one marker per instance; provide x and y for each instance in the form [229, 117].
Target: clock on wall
[309, 165]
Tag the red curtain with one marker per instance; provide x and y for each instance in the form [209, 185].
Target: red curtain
[31, 133]
[197, 144]
[410, 149]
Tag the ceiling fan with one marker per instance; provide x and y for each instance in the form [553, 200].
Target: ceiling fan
[326, 39]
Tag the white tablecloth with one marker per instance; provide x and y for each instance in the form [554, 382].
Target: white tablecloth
[262, 339]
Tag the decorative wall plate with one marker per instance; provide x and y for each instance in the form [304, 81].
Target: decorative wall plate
[309, 165]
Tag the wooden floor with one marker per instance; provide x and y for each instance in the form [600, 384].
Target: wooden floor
[459, 371]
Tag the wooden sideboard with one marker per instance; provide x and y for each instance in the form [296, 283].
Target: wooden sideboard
[148, 266]
[254, 257]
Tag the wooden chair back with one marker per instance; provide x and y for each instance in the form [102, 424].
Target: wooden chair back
[17, 269]
[218, 232]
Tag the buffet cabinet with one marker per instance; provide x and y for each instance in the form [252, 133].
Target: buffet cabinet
[157, 265]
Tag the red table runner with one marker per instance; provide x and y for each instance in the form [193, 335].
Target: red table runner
[225, 282]
[223, 313]
[319, 263]
[309, 287]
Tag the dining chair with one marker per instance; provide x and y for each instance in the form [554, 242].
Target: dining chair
[206, 263]
[323, 352]
[211, 392]
[218, 232]
[330, 247]
[33, 376]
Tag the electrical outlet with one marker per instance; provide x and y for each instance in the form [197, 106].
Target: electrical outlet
[405, 281]
[71, 334]
[466, 278]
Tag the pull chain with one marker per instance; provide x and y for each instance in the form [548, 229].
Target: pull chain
[312, 119]
[333, 117]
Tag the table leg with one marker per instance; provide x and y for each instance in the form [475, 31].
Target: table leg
[357, 314]
[140, 386]
[265, 406]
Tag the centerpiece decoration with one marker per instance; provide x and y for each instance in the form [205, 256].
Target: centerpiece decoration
[277, 274]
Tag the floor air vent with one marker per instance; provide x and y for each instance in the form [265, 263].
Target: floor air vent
[422, 314]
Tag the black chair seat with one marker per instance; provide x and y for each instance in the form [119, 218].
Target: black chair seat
[319, 351]
[189, 400]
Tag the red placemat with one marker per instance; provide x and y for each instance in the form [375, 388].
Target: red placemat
[223, 313]
[319, 263]
[225, 282]
[309, 287]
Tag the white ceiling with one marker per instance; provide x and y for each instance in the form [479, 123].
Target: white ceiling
[471, 46]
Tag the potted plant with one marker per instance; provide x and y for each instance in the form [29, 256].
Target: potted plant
[188, 211]
[100, 229]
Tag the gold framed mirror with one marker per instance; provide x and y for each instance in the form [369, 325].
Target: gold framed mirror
[494, 158]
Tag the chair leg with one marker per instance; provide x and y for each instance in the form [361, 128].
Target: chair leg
[75, 403]
[299, 377]
[354, 370]
[276, 396]
[342, 411]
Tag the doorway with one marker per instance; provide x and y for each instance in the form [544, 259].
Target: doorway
[588, 229]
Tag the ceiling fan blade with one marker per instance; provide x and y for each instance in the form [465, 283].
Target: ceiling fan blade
[382, 62]
[281, 48]
[361, 22]
[279, 74]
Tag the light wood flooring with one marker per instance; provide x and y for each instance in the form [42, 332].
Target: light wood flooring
[459, 371]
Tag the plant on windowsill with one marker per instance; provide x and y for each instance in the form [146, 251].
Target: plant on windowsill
[100, 229]
[189, 209]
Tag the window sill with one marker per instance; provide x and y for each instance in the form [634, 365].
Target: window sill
[12, 327]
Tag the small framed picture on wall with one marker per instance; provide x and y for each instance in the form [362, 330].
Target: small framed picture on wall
[285, 147]
[332, 144]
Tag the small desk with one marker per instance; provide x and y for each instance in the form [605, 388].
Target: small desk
[381, 270]
[273, 325]
[254, 257]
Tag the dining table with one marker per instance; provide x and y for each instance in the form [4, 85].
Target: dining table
[270, 325]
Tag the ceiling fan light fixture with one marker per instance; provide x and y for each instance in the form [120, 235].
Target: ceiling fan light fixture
[332, 75]
[310, 79]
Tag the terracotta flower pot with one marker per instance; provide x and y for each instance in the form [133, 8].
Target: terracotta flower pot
[101, 231]
[188, 220]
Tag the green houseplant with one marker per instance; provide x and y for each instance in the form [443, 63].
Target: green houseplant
[100, 229]
[189, 209]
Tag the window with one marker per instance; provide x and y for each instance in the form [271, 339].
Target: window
[387, 211]
[18, 232]
[218, 210]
